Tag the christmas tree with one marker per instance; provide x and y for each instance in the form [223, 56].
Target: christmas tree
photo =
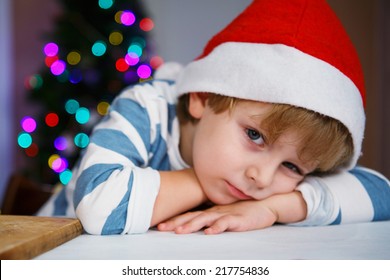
[98, 47]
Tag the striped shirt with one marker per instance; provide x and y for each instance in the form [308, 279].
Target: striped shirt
[115, 183]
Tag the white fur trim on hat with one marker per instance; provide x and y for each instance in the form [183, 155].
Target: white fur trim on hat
[168, 71]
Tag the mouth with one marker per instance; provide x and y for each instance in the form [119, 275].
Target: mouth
[237, 193]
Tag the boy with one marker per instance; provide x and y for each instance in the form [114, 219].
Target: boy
[276, 96]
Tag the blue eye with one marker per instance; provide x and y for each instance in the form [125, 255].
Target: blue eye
[255, 136]
[293, 167]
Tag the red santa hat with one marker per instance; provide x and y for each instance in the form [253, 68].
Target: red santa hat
[285, 51]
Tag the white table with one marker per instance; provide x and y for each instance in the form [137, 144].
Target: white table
[353, 241]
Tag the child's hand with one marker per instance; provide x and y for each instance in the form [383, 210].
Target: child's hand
[239, 216]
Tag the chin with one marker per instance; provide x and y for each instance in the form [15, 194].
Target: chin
[222, 200]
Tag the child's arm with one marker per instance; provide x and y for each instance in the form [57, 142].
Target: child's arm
[360, 195]
[241, 216]
[179, 191]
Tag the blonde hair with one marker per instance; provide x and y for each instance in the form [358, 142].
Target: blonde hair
[323, 140]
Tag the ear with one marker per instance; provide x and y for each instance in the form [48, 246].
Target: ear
[197, 104]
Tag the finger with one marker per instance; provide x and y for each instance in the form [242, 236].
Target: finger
[204, 219]
[177, 221]
[225, 223]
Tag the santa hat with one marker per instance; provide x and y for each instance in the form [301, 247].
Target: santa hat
[285, 51]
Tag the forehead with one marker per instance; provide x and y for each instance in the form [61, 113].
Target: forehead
[253, 108]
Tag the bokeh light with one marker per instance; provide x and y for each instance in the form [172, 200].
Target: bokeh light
[71, 106]
[65, 176]
[73, 58]
[71, 70]
[144, 71]
[135, 49]
[138, 41]
[61, 143]
[121, 65]
[58, 67]
[81, 140]
[49, 60]
[33, 82]
[82, 115]
[115, 38]
[50, 49]
[28, 124]
[106, 4]
[99, 48]
[63, 78]
[146, 24]
[32, 151]
[132, 59]
[127, 18]
[24, 140]
[59, 164]
[51, 119]
[75, 76]
[131, 76]
[51, 159]
[156, 62]
[102, 108]
[117, 17]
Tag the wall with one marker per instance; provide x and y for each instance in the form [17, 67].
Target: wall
[31, 20]
[5, 94]
[183, 27]
[384, 83]
[365, 21]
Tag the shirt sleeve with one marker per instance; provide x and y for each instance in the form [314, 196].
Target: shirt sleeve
[116, 186]
[358, 195]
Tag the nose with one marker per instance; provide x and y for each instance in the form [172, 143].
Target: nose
[261, 175]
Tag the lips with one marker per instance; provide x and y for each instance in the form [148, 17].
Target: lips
[236, 192]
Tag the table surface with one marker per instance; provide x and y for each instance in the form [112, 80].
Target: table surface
[24, 237]
[351, 241]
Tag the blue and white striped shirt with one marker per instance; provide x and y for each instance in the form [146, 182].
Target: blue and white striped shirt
[115, 184]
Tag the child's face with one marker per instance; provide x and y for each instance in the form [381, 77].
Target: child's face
[234, 162]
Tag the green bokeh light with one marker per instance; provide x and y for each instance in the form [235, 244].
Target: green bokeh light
[99, 48]
[24, 140]
[82, 115]
[81, 140]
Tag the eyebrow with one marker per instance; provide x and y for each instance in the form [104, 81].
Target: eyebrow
[309, 165]
[265, 132]
[306, 167]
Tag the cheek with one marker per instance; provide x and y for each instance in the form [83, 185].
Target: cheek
[215, 152]
[212, 158]
[205, 157]
[209, 145]
[285, 184]
[200, 153]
